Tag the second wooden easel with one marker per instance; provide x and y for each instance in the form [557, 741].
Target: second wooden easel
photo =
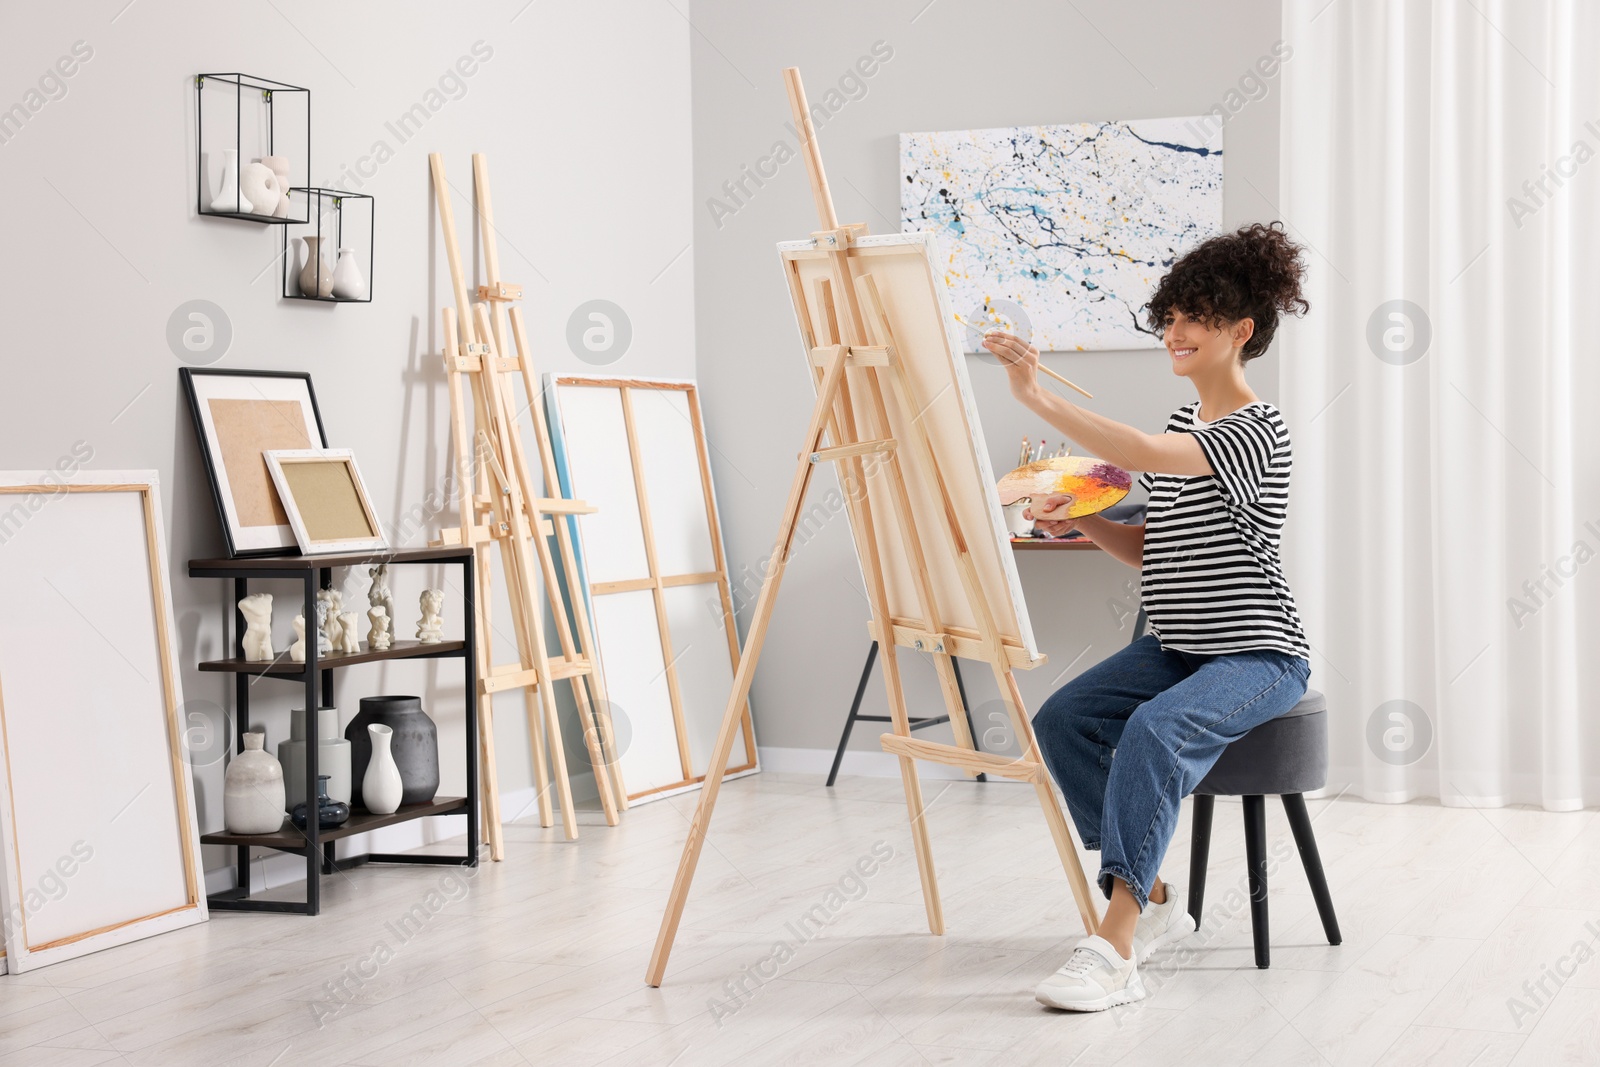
[498, 505]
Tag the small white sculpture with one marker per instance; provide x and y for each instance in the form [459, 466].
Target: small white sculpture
[331, 621]
[378, 639]
[324, 646]
[430, 628]
[257, 611]
[378, 594]
[297, 651]
[349, 632]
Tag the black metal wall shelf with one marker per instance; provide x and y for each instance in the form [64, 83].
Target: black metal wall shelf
[280, 115]
[348, 220]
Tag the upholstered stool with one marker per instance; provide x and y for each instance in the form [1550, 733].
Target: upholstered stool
[1287, 757]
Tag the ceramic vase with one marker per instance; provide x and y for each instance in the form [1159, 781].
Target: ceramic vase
[252, 794]
[381, 790]
[228, 197]
[316, 277]
[279, 165]
[348, 284]
[415, 747]
[259, 185]
[330, 812]
[333, 756]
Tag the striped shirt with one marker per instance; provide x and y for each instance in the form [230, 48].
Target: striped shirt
[1211, 579]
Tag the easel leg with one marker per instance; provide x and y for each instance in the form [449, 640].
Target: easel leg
[489, 771]
[733, 714]
[1060, 832]
[920, 841]
[955, 702]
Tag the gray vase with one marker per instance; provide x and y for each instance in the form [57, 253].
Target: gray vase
[415, 746]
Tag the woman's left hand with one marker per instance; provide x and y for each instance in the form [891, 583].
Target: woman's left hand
[1020, 358]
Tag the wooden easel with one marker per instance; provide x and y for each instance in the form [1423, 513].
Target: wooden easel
[857, 335]
[499, 506]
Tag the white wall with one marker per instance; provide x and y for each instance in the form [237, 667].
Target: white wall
[956, 64]
[584, 111]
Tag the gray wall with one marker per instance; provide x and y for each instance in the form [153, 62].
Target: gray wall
[584, 111]
[956, 64]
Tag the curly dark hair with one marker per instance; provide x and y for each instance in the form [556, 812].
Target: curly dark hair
[1252, 273]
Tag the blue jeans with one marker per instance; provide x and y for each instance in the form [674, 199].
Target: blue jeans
[1133, 735]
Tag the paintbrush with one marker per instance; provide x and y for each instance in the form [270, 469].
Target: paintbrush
[1042, 368]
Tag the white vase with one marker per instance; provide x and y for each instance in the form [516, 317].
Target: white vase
[259, 185]
[228, 197]
[279, 165]
[333, 756]
[315, 281]
[252, 793]
[348, 284]
[381, 788]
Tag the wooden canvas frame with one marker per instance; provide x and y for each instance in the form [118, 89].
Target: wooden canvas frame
[656, 577]
[34, 689]
[283, 463]
[202, 386]
[923, 514]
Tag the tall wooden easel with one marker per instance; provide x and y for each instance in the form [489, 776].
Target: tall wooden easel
[498, 505]
[856, 334]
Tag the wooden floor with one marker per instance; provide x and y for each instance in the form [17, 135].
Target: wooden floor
[790, 955]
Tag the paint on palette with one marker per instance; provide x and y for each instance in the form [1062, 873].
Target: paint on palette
[1093, 484]
[1072, 225]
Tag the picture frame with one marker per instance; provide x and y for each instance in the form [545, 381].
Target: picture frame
[325, 500]
[99, 839]
[238, 415]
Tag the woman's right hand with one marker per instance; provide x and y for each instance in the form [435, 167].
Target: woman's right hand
[1053, 505]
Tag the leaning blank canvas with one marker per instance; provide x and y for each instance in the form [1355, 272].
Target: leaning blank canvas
[97, 814]
[1062, 231]
[654, 572]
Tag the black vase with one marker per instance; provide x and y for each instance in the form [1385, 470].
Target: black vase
[415, 747]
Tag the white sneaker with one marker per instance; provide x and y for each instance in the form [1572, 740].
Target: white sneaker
[1162, 924]
[1094, 978]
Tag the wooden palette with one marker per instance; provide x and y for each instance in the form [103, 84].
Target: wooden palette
[1094, 484]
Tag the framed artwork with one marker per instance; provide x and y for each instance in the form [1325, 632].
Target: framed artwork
[97, 809]
[325, 500]
[239, 415]
[1060, 233]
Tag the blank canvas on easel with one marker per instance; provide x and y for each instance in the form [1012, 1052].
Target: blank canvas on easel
[97, 814]
[654, 569]
[918, 306]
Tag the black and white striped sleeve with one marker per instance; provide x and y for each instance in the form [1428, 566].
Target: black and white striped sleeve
[1244, 450]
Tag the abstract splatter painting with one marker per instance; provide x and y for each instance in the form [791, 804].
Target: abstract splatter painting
[1061, 232]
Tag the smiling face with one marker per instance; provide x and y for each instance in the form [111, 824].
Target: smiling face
[1199, 350]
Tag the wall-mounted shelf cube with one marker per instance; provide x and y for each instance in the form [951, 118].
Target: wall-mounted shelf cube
[240, 121]
[330, 259]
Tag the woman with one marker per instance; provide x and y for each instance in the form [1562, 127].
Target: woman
[1129, 738]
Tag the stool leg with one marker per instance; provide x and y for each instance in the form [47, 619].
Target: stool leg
[1199, 855]
[1255, 851]
[1295, 806]
[855, 709]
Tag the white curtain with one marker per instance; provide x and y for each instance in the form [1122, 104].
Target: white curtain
[1441, 161]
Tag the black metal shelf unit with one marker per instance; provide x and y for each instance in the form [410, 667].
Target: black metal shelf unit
[346, 218]
[266, 117]
[316, 845]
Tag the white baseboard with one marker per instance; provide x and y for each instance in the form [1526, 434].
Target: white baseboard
[868, 764]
